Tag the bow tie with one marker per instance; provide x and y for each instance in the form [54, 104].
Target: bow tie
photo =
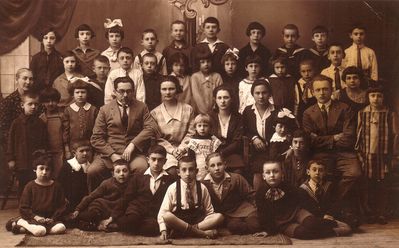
[274, 194]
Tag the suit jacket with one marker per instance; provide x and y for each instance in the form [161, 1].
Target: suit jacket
[138, 198]
[109, 135]
[232, 144]
[340, 120]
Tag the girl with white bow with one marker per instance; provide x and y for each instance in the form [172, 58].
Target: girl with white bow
[114, 35]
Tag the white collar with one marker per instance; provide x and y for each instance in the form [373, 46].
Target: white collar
[148, 172]
[275, 76]
[209, 177]
[327, 104]
[278, 138]
[302, 82]
[214, 43]
[168, 117]
[76, 108]
[269, 109]
[73, 162]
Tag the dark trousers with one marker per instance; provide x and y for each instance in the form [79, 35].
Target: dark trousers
[138, 224]
[242, 225]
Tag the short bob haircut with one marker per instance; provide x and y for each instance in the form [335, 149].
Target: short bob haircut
[255, 25]
[202, 118]
[45, 31]
[78, 84]
[354, 70]
[41, 157]
[84, 27]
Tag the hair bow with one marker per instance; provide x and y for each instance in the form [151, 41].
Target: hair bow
[233, 51]
[112, 23]
[285, 113]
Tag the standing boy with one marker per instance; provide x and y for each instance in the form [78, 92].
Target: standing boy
[28, 133]
[319, 52]
[149, 41]
[359, 55]
[255, 32]
[152, 80]
[187, 207]
[334, 71]
[101, 68]
[178, 44]
[215, 47]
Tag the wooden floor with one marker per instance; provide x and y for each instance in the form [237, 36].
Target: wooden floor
[369, 235]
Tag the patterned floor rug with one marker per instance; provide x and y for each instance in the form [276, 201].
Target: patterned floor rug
[76, 237]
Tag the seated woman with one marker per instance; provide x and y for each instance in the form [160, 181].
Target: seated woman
[227, 126]
[258, 122]
[175, 121]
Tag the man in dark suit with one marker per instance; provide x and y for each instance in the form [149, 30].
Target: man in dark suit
[332, 128]
[122, 130]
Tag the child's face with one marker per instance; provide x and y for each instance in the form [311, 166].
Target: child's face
[253, 70]
[357, 36]
[281, 129]
[320, 39]
[216, 167]
[25, 80]
[202, 128]
[69, 63]
[80, 96]
[352, 81]
[261, 95]
[316, 172]
[121, 173]
[149, 41]
[223, 100]
[114, 39]
[43, 172]
[187, 171]
[211, 30]
[298, 145]
[178, 31]
[230, 66]
[272, 174]
[101, 69]
[306, 71]
[335, 55]
[84, 37]
[168, 91]
[280, 69]
[51, 106]
[290, 36]
[49, 40]
[83, 154]
[322, 91]
[205, 65]
[255, 36]
[178, 68]
[156, 162]
[376, 99]
[30, 105]
[149, 64]
[125, 60]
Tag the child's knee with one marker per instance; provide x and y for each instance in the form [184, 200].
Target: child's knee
[38, 231]
[58, 228]
[168, 217]
[219, 218]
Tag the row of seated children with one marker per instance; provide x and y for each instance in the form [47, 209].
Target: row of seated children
[46, 74]
[159, 204]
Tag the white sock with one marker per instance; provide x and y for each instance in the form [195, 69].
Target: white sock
[36, 230]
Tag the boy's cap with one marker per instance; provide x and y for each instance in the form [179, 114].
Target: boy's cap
[255, 25]
[319, 29]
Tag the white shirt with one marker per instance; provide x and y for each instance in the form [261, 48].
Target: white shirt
[327, 105]
[112, 57]
[369, 59]
[155, 182]
[76, 166]
[244, 94]
[135, 75]
[261, 120]
[169, 201]
[224, 127]
[120, 106]
[330, 72]
[211, 46]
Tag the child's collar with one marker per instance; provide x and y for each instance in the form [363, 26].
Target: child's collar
[76, 166]
[76, 108]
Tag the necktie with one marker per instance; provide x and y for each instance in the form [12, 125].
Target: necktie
[359, 58]
[324, 115]
[189, 197]
[318, 192]
[124, 116]
[337, 79]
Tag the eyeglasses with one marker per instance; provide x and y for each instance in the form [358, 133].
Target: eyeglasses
[122, 92]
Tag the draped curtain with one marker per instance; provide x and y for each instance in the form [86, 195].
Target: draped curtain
[21, 18]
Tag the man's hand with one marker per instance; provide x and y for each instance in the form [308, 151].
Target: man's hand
[11, 165]
[127, 154]
[74, 215]
[259, 145]
[328, 217]
[40, 219]
[164, 235]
